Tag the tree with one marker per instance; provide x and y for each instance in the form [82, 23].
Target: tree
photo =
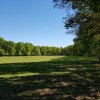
[5, 47]
[11, 48]
[43, 50]
[36, 51]
[96, 46]
[28, 49]
[2, 53]
[69, 50]
[48, 51]
[20, 49]
[85, 22]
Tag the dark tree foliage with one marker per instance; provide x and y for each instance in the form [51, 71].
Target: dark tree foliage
[85, 23]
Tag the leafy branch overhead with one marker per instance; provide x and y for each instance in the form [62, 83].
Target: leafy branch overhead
[85, 23]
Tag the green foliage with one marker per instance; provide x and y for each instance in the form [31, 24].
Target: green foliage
[2, 53]
[7, 46]
[43, 50]
[36, 51]
[28, 49]
[20, 49]
[85, 23]
[96, 45]
[69, 50]
[11, 48]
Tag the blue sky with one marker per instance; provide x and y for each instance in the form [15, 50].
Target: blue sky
[34, 21]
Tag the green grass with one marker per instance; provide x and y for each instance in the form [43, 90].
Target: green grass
[25, 59]
[49, 78]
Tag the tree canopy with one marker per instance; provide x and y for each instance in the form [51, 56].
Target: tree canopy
[10, 48]
[85, 23]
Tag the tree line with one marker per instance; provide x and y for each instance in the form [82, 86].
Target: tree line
[10, 48]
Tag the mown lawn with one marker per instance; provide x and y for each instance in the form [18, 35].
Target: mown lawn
[49, 78]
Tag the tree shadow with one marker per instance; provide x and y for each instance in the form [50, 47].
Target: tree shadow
[59, 79]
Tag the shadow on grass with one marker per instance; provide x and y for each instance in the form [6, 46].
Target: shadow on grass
[59, 79]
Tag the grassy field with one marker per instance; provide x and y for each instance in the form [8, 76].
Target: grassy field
[49, 78]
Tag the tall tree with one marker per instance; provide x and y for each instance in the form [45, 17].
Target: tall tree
[85, 22]
[11, 48]
[28, 49]
[36, 51]
[20, 49]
